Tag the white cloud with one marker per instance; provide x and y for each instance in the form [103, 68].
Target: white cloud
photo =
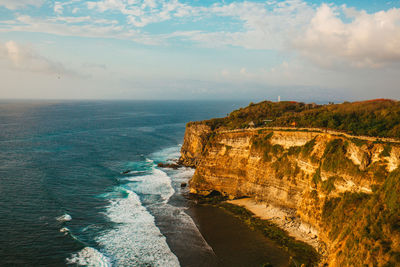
[24, 58]
[16, 4]
[58, 8]
[264, 25]
[368, 41]
[291, 26]
[149, 3]
[106, 5]
[52, 26]
[144, 12]
[321, 35]
[71, 20]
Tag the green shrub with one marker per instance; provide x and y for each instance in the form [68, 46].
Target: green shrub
[316, 179]
[372, 118]
[227, 148]
[329, 185]
[358, 142]
[284, 167]
[314, 195]
[379, 171]
[335, 159]
[386, 151]
[294, 150]
[308, 147]
[262, 144]
[374, 220]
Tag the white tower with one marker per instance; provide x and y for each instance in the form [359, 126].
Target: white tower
[279, 98]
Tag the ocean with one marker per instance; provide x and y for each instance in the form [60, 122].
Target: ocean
[64, 196]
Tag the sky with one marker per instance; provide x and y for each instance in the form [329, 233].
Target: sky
[305, 50]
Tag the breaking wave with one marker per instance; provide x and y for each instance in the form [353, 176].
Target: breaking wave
[90, 257]
[135, 240]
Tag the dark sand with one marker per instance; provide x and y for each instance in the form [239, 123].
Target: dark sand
[233, 242]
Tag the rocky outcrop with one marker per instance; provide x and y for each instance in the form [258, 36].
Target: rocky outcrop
[195, 140]
[312, 173]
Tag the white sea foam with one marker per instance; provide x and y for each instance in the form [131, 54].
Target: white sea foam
[89, 257]
[183, 174]
[156, 183]
[64, 218]
[135, 240]
[182, 228]
[167, 154]
[178, 221]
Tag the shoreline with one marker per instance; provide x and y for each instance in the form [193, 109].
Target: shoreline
[229, 241]
[243, 232]
[298, 252]
[286, 219]
[233, 241]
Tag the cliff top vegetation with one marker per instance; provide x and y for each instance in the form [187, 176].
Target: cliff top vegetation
[378, 117]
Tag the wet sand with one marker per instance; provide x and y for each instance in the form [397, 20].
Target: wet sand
[294, 226]
[233, 242]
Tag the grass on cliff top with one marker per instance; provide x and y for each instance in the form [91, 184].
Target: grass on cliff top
[380, 117]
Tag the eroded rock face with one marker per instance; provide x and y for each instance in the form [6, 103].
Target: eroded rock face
[234, 167]
[296, 170]
[195, 140]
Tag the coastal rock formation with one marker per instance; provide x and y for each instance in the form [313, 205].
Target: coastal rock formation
[195, 140]
[345, 191]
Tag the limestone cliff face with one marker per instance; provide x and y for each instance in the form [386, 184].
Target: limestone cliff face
[195, 140]
[298, 170]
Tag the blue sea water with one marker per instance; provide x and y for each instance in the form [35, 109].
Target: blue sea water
[64, 198]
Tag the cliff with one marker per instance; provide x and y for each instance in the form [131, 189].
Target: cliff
[344, 190]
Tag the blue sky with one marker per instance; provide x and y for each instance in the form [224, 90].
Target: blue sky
[146, 49]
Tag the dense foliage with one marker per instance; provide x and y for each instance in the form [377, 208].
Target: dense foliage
[379, 117]
[365, 227]
[369, 224]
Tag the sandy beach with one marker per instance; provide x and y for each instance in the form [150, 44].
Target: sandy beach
[233, 242]
[285, 219]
